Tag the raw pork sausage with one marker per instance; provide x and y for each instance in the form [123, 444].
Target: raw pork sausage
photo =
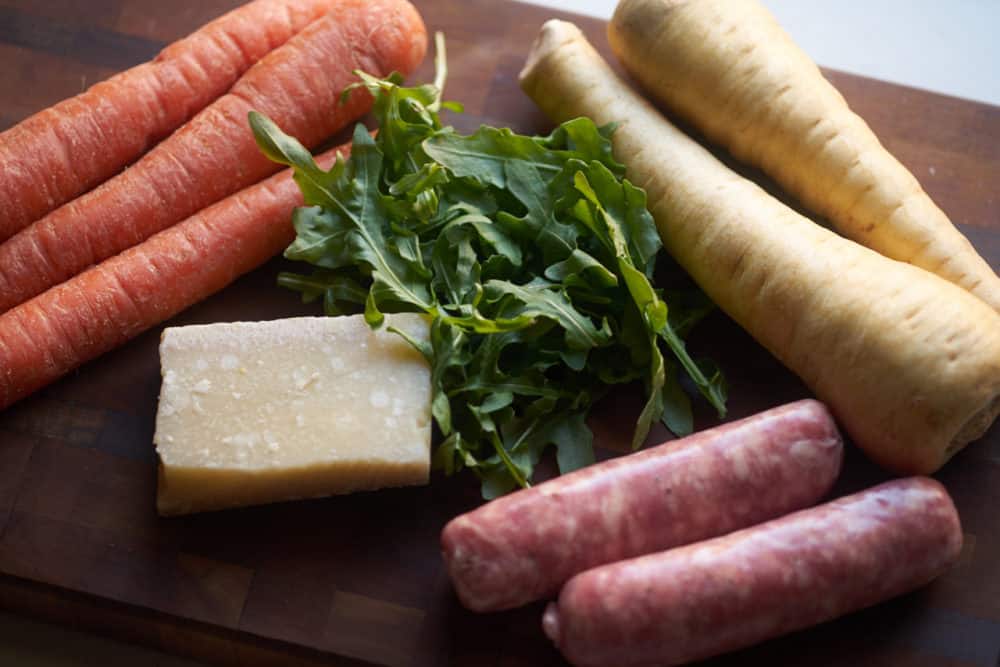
[700, 600]
[522, 547]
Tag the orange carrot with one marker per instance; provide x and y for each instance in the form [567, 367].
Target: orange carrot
[65, 150]
[44, 338]
[297, 85]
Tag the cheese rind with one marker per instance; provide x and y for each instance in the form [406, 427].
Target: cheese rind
[258, 412]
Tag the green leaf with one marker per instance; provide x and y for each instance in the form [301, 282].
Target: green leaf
[521, 165]
[541, 300]
[588, 142]
[487, 155]
[419, 191]
[448, 454]
[528, 436]
[355, 215]
[677, 415]
[450, 355]
[319, 238]
[340, 291]
[489, 427]
[687, 309]
[653, 409]
[629, 226]
[497, 400]
[531, 257]
[573, 441]
[456, 266]
[497, 482]
[278, 146]
[653, 309]
[492, 235]
[538, 226]
[576, 269]
[712, 385]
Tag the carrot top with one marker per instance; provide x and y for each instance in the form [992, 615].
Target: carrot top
[532, 256]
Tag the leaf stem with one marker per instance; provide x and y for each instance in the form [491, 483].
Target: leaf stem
[440, 71]
[515, 472]
[677, 346]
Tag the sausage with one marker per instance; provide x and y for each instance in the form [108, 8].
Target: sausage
[704, 599]
[524, 546]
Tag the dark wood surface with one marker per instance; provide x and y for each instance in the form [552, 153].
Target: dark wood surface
[358, 579]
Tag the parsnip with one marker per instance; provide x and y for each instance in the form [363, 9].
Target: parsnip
[729, 69]
[908, 363]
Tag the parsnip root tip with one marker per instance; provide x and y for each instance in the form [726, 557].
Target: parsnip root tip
[553, 34]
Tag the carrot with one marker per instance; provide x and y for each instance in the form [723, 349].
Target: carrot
[297, 85]
[727, 67]
[63, 151]
[908, 363]
[44, 338]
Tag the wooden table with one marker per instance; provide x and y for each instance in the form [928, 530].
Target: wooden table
[358, 579]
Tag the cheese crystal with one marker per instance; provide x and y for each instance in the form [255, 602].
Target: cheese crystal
[259, 412]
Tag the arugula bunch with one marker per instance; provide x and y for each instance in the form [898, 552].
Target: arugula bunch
[533, 258]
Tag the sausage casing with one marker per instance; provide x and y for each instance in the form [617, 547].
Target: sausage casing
[700, 600]
[524, 546]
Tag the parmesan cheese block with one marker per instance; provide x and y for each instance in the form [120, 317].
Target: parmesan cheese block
[259, 412]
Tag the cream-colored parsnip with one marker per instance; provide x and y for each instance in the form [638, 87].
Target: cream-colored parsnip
[908, 363]
[730, 70]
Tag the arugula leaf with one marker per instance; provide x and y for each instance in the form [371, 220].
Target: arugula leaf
[676, 404]
[338, 291]
[578, 135]
[620, 208]
[352, 214]
[532, 257]
[581, 270]
[487, 155]
[538, 299]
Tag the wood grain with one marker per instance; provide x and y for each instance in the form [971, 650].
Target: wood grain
[358, 579]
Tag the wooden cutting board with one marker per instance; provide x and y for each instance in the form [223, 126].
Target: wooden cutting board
[358, 579]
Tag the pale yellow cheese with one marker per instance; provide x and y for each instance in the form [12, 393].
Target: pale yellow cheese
[259, 412]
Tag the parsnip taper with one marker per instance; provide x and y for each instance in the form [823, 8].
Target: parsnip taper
[908, 363]
[728, 68]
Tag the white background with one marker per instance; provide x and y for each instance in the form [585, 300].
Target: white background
[948, 47]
